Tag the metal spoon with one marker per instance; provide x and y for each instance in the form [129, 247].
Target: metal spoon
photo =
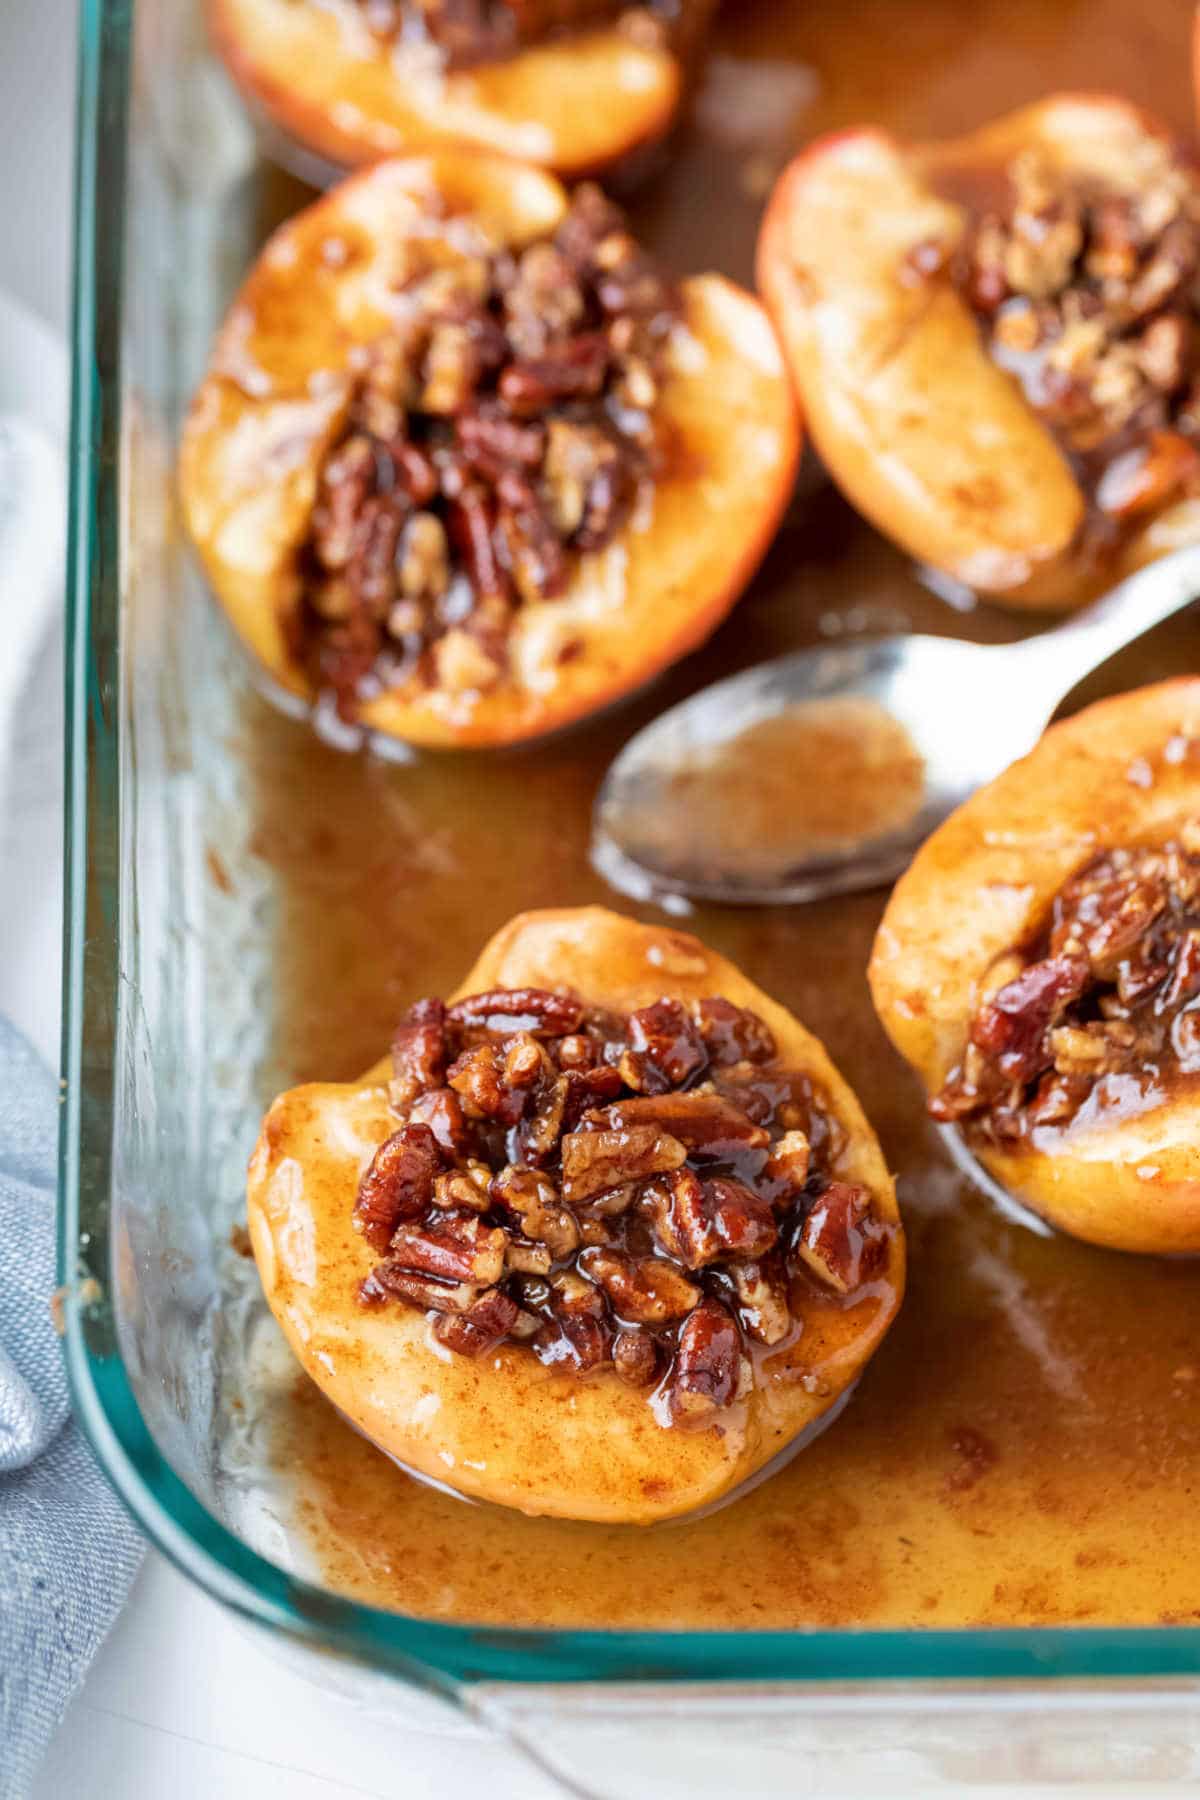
[901, 729]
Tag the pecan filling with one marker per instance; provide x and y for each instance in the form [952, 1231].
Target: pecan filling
[465, 32]
[1110, 989]
[645, 1191]
[505, 426]
[1090, 296]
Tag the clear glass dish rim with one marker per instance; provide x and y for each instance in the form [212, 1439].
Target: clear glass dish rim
[439, 1657]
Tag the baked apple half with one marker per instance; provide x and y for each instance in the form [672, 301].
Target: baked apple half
[573, 85]
[995, 340]
[604, 1236]
[1039, 966]
[465, 466]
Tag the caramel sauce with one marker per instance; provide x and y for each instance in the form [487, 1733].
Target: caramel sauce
[1024, 1447]
[822, 775]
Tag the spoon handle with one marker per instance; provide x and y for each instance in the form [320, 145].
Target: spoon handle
[1063, 656]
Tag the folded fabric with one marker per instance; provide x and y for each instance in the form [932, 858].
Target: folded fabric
[68, 1551]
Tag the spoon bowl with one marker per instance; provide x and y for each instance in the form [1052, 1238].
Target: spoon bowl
[822, 772]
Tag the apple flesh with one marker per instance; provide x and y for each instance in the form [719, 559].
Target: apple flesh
[505, 1427]
[576, 104]
[275, 398]
[929, 438]
[1128, 1176]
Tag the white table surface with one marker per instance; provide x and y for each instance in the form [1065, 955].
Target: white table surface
[180, 1702]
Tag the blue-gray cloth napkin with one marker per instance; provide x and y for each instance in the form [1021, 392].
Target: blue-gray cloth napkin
[68, 1552]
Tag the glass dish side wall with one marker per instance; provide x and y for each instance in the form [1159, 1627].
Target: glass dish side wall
[167, 1031]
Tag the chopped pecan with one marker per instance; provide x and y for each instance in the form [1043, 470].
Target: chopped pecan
[593, 217]
[1107, 910]
[707, 1123]
[495, 443]
[763, 1101]
[668, 1037]
[586, 1088]
[704, 1376]
[732, 1034]
[1163, 350]
[533, 1199]
[373, 566]
[1092, 1049]
[419, 1051]
[679, 1212]
[1087, 293]
[531, 549]
[609, 499]
[1185, 977]
[343, 491]
[1117, 240]
[471, 519]
[458, 1247]
[426, 1292]
[452, 368]
[484, 1324]
[398, 1183]
[542, 1130]
[577, 1334]
[424, 562]
[1046, 232]
[500, 425]
[544, 301]
[464, 1190]
[441, 1109]
[572, 1293]
[639, 1074]
[539, 1011]
[1011, 1027]
[762, 1300]
[524, 1060]
[526, 1257]
[743, 1220]
[581, 472]
[577, 1052]
[786, 1168]
[1164, 274]
[574, 370]
[1126, 930]
[697, 1222]
[562, 1211]
[478, 1075]
[1058, 1098]
[841, 1242]
[1185, 1040]
[417, 474]
[645, 1291]
[612, 1202]
[593, 1161]
[635, 1358]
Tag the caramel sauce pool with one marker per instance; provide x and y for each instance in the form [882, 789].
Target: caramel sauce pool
[1025, 1448]
[819, 775]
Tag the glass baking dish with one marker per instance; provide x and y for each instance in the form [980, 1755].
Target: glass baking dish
[168, 1057]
